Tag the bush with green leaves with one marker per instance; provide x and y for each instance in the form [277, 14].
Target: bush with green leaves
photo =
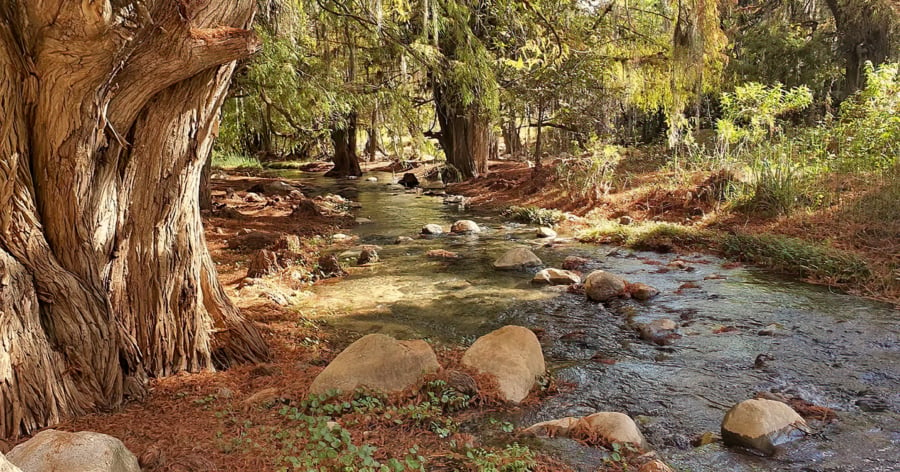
[750, 113]
[592, 174]
[535, 215]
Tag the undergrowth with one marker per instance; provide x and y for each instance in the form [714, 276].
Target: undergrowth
[535, 215]
[232, 160]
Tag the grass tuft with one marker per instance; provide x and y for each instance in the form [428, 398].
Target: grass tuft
[795, 256]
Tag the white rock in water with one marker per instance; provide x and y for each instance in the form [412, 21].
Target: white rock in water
[762, 425]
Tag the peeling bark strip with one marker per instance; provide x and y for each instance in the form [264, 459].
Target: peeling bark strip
[106, 117]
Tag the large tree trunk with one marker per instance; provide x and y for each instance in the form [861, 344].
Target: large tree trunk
[864, 34]
[465, 135]
[107, 117]
[346, 159]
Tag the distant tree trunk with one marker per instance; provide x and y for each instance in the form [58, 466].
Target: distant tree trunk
[465, 135]
[511, 137]
[373, 143]
[105, 279]
[864, 34]
[346, 160]
[538, 143]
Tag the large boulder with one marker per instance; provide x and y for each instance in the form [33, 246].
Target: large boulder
[601, 286]
[556, 277]
[7, 466]
[517, 259]
[465, 227]
[610, 427]
[378, 362]
[762, 425]
[53, 450]
[512, 354]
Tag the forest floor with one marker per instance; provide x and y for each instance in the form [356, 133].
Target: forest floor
[241, 419]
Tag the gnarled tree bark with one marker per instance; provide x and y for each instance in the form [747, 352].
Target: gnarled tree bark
[107, 115]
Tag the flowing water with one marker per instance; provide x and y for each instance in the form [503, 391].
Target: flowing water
[828, 348]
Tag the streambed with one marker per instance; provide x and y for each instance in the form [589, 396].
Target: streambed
[828, 348]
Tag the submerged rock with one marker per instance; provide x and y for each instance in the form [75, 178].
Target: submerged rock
[762, 425]
[556, 277]
[661, 331]
[378, 362]
[465, 227]
[366, 256]
[601, 286]
[545, 232]
[517, 259]
[432, 229]
[574, 262]
[512, 354]
[642, 292]
[85, 451]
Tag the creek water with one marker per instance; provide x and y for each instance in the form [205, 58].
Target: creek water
[828, 348]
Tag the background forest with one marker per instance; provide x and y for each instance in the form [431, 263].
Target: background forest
[778, 106]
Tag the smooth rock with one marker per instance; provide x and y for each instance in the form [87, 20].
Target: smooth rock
[378, 362]
[613, 427]
[366, 256]
[432, 229]
[545, 232]
[340, 237]
[655, 466]
[371, 179]
[85, 451]
[465, 227]
[363, 221]
[402, 239]
[513, 355]
[642, 292]
[553, 428]
[252, 197]
[517, 259]
[762, 425]
[601, 286]
[7, 466]
[661, 331]
[556, 277]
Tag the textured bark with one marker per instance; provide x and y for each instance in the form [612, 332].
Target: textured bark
[107, 117]
[465, 135]
[346, 159]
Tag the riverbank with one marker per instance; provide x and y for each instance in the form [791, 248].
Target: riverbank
[853, 245]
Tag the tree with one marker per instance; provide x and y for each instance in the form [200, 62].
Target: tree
[865, 33]
[108, 110]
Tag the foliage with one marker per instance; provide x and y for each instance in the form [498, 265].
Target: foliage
[648, 235]
[796, 256]
[232, 160]
[591, 175]
[535, 215]
[749, 113]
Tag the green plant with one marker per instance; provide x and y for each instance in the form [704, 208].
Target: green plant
[749, 113]
[232, 160]
[591, 175]
[778, 187]
[796, 256]
[513, 458]
[535, 215]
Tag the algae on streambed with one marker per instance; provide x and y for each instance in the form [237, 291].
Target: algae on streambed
[828, 348]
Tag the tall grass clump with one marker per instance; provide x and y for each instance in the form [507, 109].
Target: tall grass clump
[535, 215]
[795, 256]
[232, 160]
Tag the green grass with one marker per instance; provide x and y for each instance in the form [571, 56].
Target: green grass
[535, 215]
[231, 161]
[780, 253]
[795, 256]
[647, 236]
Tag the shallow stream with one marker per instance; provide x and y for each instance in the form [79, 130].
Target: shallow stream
[828, 348]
